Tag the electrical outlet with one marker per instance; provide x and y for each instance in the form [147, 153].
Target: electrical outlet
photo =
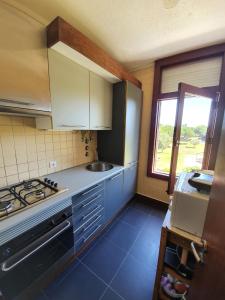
[52, 164]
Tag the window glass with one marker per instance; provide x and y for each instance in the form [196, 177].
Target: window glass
[163, 150]
[193, 133]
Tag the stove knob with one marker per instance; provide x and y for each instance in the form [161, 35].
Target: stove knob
[52, 222]
[52, 183]
[48, 181]
[7, 252]
[45, 179]
[55, 184]
[65, 215]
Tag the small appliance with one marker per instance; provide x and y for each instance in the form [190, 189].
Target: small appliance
[189, 205]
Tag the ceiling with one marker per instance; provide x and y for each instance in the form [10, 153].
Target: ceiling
[137, 32]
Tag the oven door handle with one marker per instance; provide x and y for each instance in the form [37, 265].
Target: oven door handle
[22, 255]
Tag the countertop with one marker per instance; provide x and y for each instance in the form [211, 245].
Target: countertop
[79, 178]
[75, 180]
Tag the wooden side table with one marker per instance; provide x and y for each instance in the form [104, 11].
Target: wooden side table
[179, 238]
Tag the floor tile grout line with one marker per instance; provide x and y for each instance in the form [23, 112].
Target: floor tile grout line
[109, 240]
[115, 292]
[77, 261]
[99, 278]
[104, 292]
[128, 252]
[96, 275]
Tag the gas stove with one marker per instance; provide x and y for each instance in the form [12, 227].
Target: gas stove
[26, 194]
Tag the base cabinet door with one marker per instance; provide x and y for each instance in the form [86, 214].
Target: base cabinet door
[113, 195]
[130, 181]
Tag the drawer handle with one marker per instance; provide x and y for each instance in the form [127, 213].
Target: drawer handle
[93, 200]
[114, 177]
[102, 127]
[90, 213]
[92, 189]
[93, 222]
[87, 238]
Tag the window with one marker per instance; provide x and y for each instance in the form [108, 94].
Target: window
[193, 132]
[194, 128]
[198, 120]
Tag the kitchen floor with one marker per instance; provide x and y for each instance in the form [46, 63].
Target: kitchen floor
[121, 264]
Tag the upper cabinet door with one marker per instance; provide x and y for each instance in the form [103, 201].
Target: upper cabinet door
[24, 80]
[133, 122]
[100, 103]
[69, 84]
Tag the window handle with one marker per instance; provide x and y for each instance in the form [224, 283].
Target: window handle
[176, 142]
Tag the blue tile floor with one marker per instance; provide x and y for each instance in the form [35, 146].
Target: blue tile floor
[121, 264]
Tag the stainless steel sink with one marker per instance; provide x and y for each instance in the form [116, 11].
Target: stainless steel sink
[99, 166]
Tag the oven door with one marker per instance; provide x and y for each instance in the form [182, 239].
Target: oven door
[24, 267]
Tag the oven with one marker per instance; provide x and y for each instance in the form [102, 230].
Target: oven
[29, 256]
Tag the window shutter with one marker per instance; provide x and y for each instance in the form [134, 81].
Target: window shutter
[203, 73]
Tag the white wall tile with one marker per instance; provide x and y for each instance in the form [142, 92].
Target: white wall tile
[25, 151]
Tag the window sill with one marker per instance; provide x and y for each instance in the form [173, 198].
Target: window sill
[158, 176]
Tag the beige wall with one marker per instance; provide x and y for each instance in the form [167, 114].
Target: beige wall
[25, 151]
[147, 186]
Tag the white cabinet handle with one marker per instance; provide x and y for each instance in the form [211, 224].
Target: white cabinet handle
[114, 177]
[64, 125]
[97, 228]
[90, 190]
[93, 200]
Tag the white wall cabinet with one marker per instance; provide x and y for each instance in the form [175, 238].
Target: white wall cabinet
[100, 103]
[69, 85]
[81, 100]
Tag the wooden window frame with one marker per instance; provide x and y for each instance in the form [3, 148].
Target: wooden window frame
[184, 88]
[187, 57]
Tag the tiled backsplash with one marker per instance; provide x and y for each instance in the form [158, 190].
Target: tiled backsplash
[25, 151]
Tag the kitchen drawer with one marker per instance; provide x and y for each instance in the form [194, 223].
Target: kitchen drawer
[89, 202]
[80, 219]
[87, 193]
[96, 218]
[89, 234]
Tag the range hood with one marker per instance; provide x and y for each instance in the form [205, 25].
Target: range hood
[24, 79]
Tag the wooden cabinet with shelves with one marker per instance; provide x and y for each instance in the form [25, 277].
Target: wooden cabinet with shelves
[180, 238]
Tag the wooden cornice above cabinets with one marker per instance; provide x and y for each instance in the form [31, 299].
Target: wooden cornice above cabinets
[66, 39]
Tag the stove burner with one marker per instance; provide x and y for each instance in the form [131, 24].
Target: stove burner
[27, 185]
[25, 194]
[39, 193]
[5, 205]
